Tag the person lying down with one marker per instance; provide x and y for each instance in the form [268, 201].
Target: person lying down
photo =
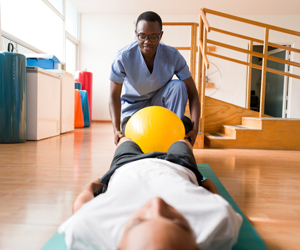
[151, 201]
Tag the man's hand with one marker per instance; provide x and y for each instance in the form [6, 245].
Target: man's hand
[118, 136]
[95, 187]
[87, 194]
[210, 186]
[193, 135]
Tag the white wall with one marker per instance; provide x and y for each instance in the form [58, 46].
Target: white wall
[0, 29]
[102, 35]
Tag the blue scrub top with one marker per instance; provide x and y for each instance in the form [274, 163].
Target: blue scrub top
[129, 68]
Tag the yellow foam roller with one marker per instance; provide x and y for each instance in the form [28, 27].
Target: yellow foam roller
[155, 128]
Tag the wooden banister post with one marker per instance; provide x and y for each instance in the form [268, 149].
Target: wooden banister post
[200, 57]
[199, 143]
[203, 76]
[192, 66]
[248, 95]
[264, 74]
[195, 49]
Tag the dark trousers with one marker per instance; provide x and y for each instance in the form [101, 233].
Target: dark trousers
[129, 151]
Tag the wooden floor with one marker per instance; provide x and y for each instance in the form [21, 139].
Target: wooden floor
[39, 181]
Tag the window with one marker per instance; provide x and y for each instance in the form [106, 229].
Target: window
[39, 26]
[57, 4]
[71, 49]
[34, 23]
[71, 19]
[17, 47]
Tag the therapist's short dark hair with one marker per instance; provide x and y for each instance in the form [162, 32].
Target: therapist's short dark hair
[150, 16]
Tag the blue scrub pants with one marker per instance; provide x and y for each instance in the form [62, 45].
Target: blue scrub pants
[173, 96]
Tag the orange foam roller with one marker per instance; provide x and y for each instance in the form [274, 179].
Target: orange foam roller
[78, 115]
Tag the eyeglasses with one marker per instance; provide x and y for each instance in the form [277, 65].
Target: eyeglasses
[143, 37]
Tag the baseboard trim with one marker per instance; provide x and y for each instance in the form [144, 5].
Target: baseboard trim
[103, 121]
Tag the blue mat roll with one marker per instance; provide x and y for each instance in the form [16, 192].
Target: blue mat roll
[85, 108]
[78, 85]
[13, 83]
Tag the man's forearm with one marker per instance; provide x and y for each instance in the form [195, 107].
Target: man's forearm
[115, 105]
[115, 112]
[87, 194]
[210, 186]
[194, 106]
[194, 103]
[84, 197]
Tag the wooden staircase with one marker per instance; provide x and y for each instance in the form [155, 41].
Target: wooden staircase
[241, 130]
[229, 126]
[258, 133]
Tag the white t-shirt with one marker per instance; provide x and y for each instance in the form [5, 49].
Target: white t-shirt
[99, 223]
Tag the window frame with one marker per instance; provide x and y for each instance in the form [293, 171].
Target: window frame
[66, 35]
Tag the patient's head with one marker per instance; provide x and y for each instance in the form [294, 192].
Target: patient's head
[157, 226]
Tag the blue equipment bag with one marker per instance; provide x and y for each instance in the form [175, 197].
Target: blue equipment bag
[13, 81]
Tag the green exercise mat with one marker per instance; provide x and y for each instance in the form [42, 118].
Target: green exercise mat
[248, 237]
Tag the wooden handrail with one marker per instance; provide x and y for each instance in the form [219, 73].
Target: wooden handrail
[278, 72]
[256, 66]
[275, 71]
[183, 48]
[193, 46]
[227, 58]
[254, 39]
[179, 24]
[224, 45]
[206, 24]
[280, 60]
[253, 53]
[204, 55]
[245, 20]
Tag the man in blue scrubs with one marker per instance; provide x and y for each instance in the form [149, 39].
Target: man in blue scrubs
[141, 76]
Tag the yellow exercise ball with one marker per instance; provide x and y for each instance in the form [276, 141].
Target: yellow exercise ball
[155, 128]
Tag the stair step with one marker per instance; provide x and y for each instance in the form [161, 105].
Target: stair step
[211, 138]
[231, 130]
[252, 122]
[258, 133]
[219, 136]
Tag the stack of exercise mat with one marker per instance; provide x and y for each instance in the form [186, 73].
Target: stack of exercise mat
[37, 99]
[81, 107]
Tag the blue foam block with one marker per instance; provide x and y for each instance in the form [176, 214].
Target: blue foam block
[85, 108]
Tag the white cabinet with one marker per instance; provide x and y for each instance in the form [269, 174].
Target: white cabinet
[67, 85]
[43, 103]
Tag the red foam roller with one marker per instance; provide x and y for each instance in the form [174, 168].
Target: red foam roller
[86, 79]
